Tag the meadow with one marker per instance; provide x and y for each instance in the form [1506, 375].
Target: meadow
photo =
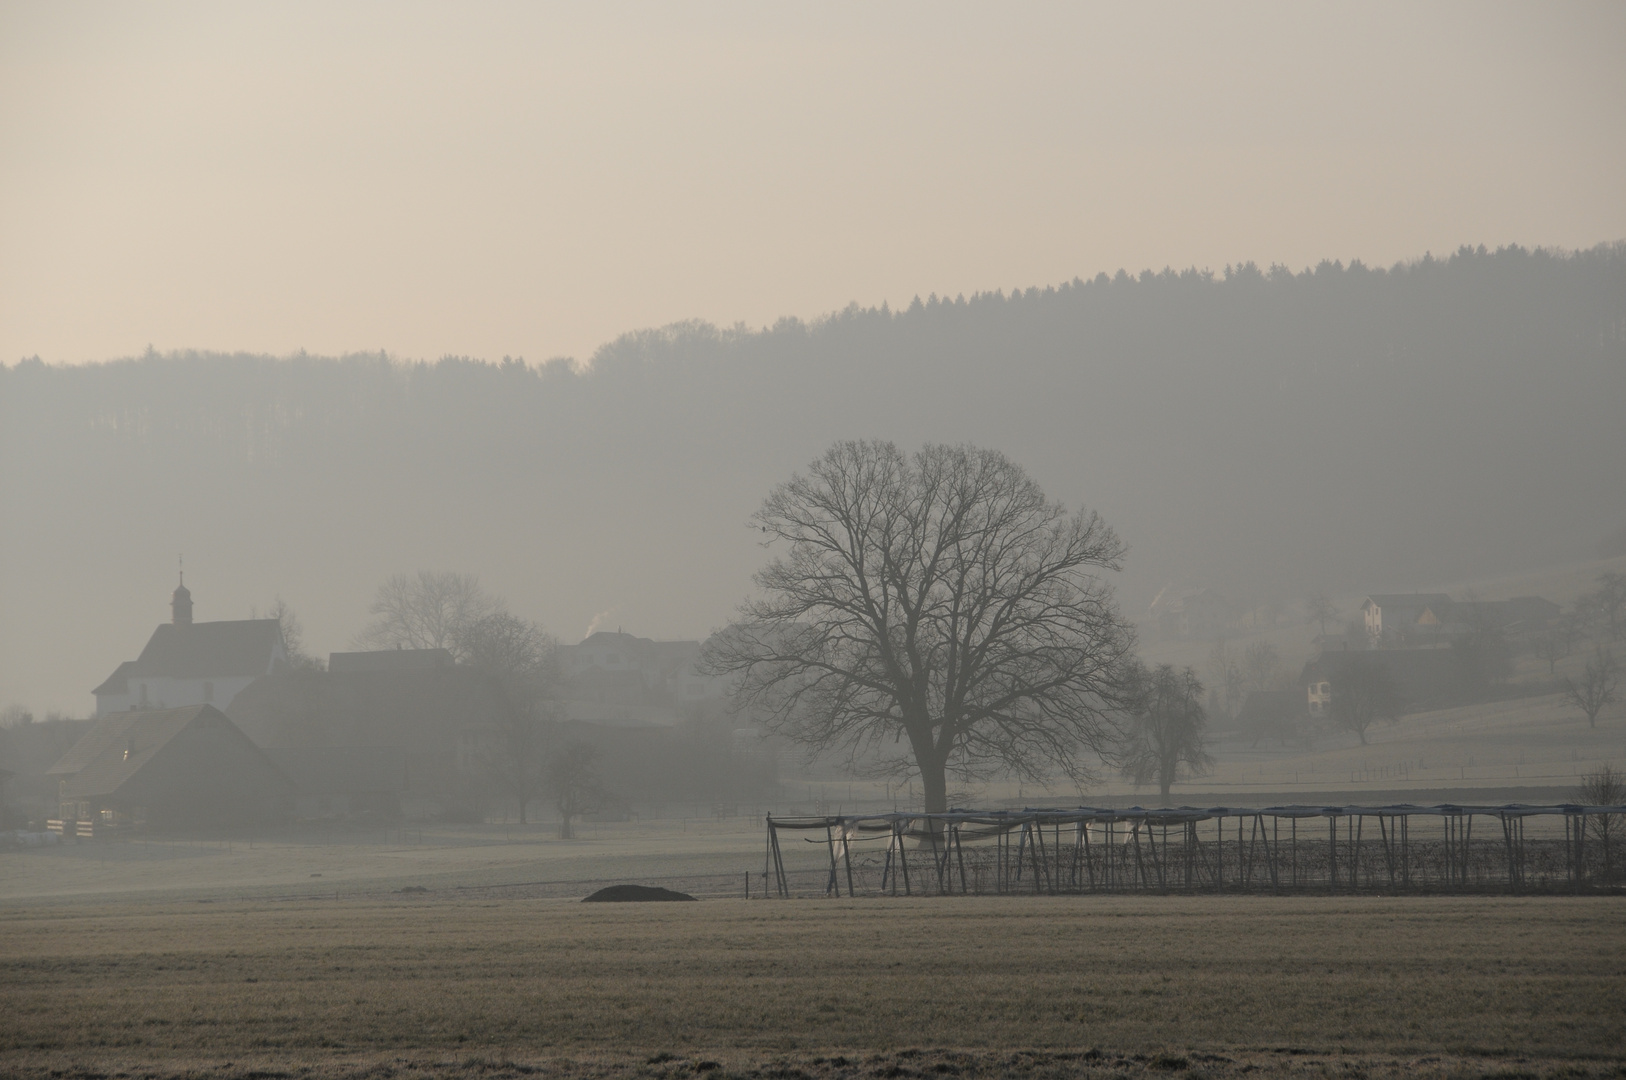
[445, 983]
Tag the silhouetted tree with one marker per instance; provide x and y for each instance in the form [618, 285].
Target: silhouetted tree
[1595, 690]
[521, 660]
[293, 636]
[572, 777]
[1557, 641]
[427, 610]
[1603, 787]
[1322, 610]
[937, 599]
[1261, 664]
[1363, 692]
[1163, 741]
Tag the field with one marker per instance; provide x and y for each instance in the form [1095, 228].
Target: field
[445, 983]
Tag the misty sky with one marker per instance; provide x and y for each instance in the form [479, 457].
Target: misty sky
[535, 179]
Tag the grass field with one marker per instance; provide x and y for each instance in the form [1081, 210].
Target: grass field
[438, 984]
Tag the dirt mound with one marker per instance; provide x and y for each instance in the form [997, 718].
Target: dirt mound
[631, 893]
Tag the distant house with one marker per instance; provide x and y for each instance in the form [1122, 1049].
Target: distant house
[1190, 612]
[1406, 618]
[187, 663]
[342, 781]
[173, 769]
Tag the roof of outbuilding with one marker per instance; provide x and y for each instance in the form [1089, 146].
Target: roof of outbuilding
[119, 744]
[201, 650]
[117, 682]
[1411, 600]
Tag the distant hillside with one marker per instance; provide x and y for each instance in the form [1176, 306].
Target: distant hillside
[1266, 432]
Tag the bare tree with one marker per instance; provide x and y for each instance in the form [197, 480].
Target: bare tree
[1229, 680]
[1608, 601]
[938, 599]
[572, 777]
[1596, 689]
[1163, 741]
[1363, 692]
[1322, 610]
[293, 636]
[1261, 666]
[1557, 642]
[427, 610]
[1603, 787]
[521, 660]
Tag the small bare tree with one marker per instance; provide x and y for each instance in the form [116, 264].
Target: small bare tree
[939, 600]
[426, 610]
[520, 659]
[1228, 678]
[572, 777]
[1261, 664]
[1603, 787]
[293, 636]
[1362, 693]
[1322, 610]
[1595, 691]
[1557, 642]
[1163, 740]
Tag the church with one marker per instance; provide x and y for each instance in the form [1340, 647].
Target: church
[190, 663]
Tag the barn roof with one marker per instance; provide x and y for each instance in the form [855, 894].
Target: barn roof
[119, 745]
[201, 650]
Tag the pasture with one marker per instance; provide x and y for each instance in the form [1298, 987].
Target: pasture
[447, 983]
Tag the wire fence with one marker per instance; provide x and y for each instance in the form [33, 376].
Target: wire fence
[1276, 849]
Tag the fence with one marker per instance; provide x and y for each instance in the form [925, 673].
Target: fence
[1328, 849]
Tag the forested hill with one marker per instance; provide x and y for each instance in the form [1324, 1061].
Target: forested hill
[1266, 432]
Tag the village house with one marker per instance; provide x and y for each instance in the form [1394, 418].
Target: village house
[180, 770]
[1411, 619]
[191, 663]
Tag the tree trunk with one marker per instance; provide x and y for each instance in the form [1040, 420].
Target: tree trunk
[934, 784]
[566, 811]
[1166, 785]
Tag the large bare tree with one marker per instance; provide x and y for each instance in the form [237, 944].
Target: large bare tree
[938, 600]
[427, 610]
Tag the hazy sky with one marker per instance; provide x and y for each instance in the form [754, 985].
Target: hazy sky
[533, 179]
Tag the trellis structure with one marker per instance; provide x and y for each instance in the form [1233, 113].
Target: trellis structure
[1269, 849]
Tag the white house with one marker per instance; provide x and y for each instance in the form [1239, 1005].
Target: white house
[187, 663]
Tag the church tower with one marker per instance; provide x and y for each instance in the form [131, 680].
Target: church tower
[181, 604]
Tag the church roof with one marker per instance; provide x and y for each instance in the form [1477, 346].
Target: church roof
[211, 649]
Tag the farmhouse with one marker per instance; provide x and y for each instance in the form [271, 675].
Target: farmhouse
[1405, 618]
[173, 769]
[188, 663]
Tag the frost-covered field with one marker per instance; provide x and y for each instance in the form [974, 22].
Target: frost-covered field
[445, 983]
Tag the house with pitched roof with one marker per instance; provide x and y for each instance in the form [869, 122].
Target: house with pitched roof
[172, 769]
[1406, 618]
[192, 663]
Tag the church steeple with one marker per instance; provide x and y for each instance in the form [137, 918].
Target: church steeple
[181, 603]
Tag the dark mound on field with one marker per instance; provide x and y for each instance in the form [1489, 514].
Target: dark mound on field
[631, 893]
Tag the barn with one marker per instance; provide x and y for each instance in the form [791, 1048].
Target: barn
[173, 770]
